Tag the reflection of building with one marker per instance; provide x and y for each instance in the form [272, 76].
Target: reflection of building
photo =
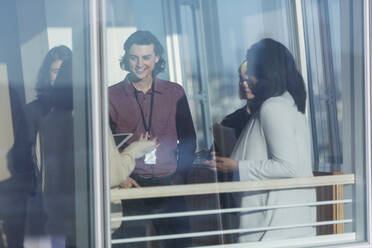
[205, 43]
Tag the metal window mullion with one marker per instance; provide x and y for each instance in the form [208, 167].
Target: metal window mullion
[368, 107]
[358, 138]
[303, 50]
[106, 131]
[202, 70]
[99, 137]
[173, 42]
[330, 86]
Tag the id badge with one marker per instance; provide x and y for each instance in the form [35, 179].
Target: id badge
[150, 157]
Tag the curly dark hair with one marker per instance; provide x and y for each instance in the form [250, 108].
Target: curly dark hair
[143, 38]
[275, 69]
[43, 85]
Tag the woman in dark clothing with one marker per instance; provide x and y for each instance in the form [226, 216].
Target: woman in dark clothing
[57, 159]
[35, 112]
[240, 117]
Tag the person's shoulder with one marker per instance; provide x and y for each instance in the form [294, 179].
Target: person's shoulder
[284, 100]
[116, 91]
[273, 105]
[168, 84]
[239, 112]
[119, 85]
[282, 105]
[236, 115]
[170, 87]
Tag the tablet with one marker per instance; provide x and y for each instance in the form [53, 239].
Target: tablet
[121, 138]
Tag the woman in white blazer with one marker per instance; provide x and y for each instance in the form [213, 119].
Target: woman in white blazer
[274, 144]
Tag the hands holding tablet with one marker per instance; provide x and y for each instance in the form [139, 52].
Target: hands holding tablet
[135, 150]
[222, 164]
[139, 148]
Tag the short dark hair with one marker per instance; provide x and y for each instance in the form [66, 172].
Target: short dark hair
[143, 38]
[43, 78]
[275, 69]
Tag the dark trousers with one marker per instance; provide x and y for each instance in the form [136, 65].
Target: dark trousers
[164, 226]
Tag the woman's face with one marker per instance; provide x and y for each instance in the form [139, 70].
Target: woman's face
[54, 69]
[246, 84]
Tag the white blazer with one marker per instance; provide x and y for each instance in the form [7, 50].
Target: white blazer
[276, 144]
[121, 165]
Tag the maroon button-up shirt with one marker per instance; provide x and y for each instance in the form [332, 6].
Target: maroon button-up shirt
[171, 123]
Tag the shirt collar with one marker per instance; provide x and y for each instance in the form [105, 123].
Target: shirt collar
[159, 87]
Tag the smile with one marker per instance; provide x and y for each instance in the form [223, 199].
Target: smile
[140, 71]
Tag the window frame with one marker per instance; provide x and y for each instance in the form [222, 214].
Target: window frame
[99, 103]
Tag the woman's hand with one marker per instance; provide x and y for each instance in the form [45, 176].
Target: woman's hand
[222, 164]
[139, 148]
[129, 183]
[146, 136]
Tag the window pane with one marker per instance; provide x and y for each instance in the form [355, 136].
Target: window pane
[45, 180]
[317, 148]
[336, 91]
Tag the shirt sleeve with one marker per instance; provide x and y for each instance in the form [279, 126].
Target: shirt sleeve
[280, 136]
[186, 136]
[237, 120]
[112, 117]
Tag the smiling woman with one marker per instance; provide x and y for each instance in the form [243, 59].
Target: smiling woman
[274, 144]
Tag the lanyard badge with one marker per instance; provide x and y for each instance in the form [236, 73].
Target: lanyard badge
[150, 157]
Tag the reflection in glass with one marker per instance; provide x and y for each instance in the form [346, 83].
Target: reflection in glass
[40, 178]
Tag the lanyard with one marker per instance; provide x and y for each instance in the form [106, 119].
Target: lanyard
[146, 126]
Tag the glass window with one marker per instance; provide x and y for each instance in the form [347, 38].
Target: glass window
[205, 44]
[46, 151]
[187, 123]
[325, 71]
[336, 90]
